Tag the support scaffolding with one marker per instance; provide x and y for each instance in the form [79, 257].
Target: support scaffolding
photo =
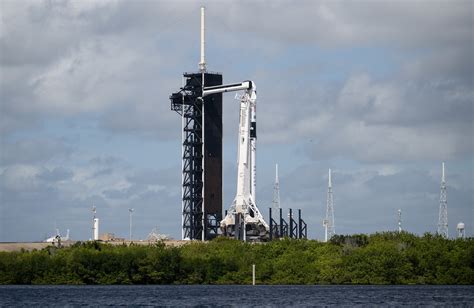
[293, 228]
[302, 227]
[274, 226]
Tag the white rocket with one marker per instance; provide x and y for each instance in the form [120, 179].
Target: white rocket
[243, 208]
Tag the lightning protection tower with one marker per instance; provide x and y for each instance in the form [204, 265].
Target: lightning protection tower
[399, 220]
[276, 192]
[328, 222]
[443, 207]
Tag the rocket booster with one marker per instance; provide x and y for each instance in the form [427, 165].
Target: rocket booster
[253, 147]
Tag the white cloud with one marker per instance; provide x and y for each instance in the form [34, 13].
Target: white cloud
[19, 178]
[90, 79]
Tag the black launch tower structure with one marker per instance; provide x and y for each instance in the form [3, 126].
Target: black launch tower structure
[201, 155]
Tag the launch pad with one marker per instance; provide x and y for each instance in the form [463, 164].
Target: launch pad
[199, 103]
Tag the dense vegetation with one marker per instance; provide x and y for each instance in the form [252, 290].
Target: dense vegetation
[382, 258]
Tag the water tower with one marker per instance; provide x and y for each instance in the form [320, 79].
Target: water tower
[460, 229]
[95, 225]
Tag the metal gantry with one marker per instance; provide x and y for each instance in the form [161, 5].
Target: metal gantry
[189, 107]
[197, 168]
[443, 207]
[328, 222]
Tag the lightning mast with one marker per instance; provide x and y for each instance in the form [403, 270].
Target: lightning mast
[328, 222]
[443, 207]
[399, 220]
[276, 192]
[202, 63]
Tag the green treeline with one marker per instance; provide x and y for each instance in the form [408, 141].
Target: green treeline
[382, 258]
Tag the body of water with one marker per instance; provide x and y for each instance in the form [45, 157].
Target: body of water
[241, 296]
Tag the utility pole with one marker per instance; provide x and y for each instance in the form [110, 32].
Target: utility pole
[130, 211]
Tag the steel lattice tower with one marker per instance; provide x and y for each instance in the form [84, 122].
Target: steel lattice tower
[276, 192]
[201, 120]
[328, 222]
[443, 208]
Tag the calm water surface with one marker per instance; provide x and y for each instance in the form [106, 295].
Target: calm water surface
[238, 296]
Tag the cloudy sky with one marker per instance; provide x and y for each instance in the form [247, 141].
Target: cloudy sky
[379, 91]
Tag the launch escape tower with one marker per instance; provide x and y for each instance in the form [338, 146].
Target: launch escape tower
[443, 207]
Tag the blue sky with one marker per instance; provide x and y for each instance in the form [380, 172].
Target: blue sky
[379, 91]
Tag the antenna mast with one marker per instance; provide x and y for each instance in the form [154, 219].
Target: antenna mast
[443, 207]
[130, 234]
[276, 191]
[328, 222]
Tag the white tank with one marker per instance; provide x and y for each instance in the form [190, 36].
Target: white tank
[96, 229]
[460, 229]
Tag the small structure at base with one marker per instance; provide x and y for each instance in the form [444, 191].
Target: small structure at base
[110, 237]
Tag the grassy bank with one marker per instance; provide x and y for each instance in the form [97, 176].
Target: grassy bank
[382, 258]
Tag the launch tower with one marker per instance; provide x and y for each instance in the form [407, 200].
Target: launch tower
[201, 151]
